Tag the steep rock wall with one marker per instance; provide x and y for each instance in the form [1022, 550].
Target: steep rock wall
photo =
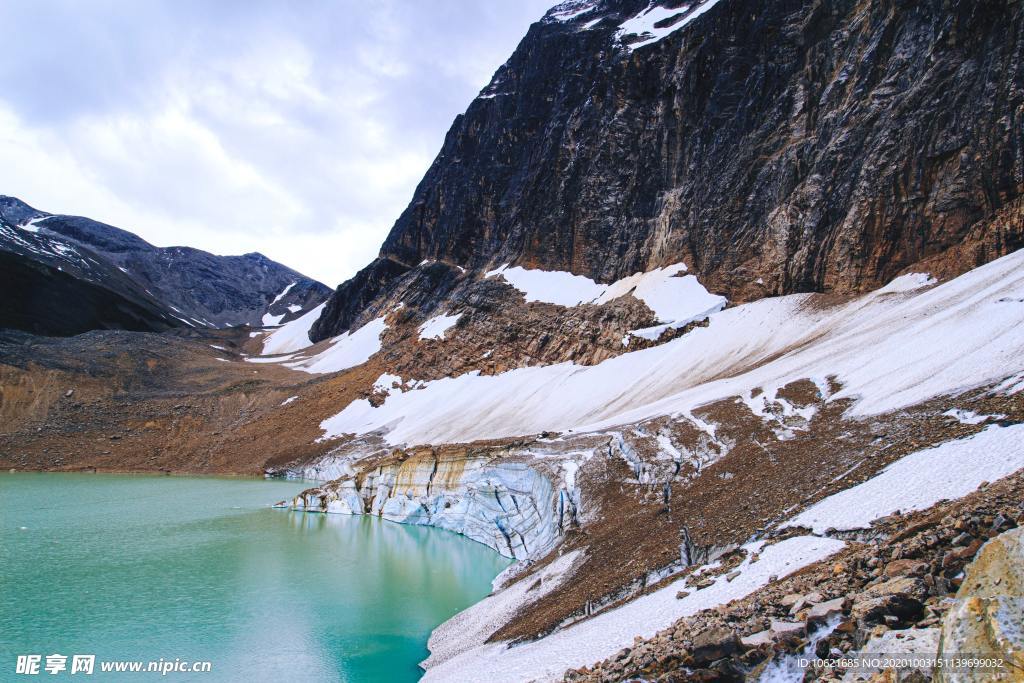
[775, 147]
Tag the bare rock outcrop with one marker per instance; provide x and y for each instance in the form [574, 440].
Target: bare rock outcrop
[988, 618]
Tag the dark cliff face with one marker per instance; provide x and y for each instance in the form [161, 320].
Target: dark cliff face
[78, 274]
[787, 146]
[46, 300]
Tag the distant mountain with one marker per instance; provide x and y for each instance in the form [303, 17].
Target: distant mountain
[67, 274]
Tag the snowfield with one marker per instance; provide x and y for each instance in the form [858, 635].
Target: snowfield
[890, 349]
[345, 351]
[917, 481]
[550, 286]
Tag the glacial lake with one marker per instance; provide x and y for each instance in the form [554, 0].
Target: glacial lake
[202, 569]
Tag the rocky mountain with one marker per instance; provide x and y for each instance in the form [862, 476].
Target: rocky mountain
[73, 274]
[780, 147]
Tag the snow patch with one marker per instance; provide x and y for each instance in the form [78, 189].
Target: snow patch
[969, 417]
[283, 293]
[676, 299]
[292, 336]
[346, 351]
[550, 286]
[270, 359]
[436, 327]
[917, 481]
[571, 9]
[666, 446]
[33, 225]
[270, 320]
[643, 24]
[1011, 385]
[387, 383]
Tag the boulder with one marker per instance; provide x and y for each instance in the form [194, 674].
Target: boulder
[823, 611]
[988, 617]
[901, 597]
[758, 639]
[905, 568]
[781, 628]
[712, 645]
[789, 599]
[775, 632]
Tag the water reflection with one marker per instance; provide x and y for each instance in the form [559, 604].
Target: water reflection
[143, 568]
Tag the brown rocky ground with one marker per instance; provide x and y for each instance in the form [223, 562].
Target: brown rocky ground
[121, 401]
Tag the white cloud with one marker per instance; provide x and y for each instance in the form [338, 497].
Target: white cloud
[297, 132]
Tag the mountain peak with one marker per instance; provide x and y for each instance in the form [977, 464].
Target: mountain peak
[17, 212]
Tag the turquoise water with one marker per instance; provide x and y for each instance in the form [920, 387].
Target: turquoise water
[145, 567]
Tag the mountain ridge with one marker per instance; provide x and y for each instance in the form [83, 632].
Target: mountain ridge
[177, 285]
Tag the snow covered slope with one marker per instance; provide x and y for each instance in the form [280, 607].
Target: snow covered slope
[888, 349]
[581, 644]
[948, 471]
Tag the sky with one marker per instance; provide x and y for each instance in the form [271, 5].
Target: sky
[296, 128]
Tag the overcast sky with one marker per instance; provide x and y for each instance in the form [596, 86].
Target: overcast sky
[297, 129]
